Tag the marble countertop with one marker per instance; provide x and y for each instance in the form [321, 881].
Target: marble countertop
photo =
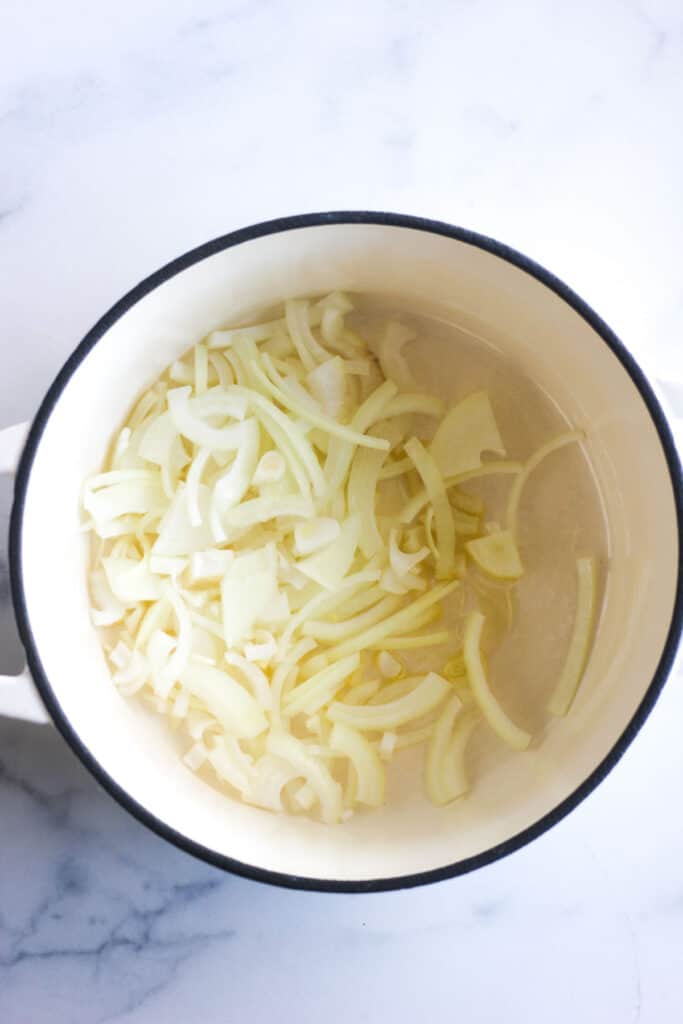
[130, 132]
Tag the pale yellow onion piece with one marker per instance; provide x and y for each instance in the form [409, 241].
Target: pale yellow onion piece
[577, 653]
[361, 692]
[247, 588]
[333, 632]
[357, 602]
[426, 696]
[454, 772]
[167, 565]
[159, 650]
[210, 564]
[272, 385]
[196, 756]
[222, 369]
[315, 534]
[256, 677]
[285, 669]
[328, 385]
[177, 535]
[262, 510]
[178, 660]
[172, 469]
[262, 649]
[341, 452]
[330, 564]
[416, 404]
[503, 726]
[390, 691]
[198, 723]
[195, 429]
[389, 666]
[304, 797]
[403, 562]
[443, 513]
[129, 495]
[529, 466]
[131, 579]
[436, 751]
[393, 584]
[192, 482]
[325, 602]
[318, 777]
[467, 430]
[387, 745]
[309, 350]
[415, 505]
[235, 368]
[149, 403]
[296, 389]
[497, 555]
[271, 468]
[279, 344]
[465, 524]
[288, 439]
[232, 485]
[471, 504]
[157, 439]
[156, 617]
[294, 463]
[224, 339]
[201, 369]
[400, 622]
[226, 699]
[357, 367]
[370, 781]
[269, 777]
[413, 737]
[396, 468]
[320, 689]
[444, 765]
[231, 764]
[361, 498]
[133, 676]
[107, 609]
[179, 372]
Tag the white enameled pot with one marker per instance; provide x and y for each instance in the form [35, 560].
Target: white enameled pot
[459, 276]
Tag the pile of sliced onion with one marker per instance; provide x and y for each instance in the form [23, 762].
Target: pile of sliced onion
[271, 540]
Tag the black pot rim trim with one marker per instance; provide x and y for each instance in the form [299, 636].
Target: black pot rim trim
[48, 696]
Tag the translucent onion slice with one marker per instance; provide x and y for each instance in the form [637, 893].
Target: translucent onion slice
[466, 431]
[228, 701]
[496, 555]
[191, 426]
[333, 632]
[425, 696]
[434, 484]
[319, 690]
[400, 622]
[444, 768]
[370, 780]
[503, 726]
[294, 752]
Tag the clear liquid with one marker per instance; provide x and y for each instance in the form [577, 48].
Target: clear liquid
[560, 517]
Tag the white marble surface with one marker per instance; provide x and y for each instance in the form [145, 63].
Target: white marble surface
[132, 131]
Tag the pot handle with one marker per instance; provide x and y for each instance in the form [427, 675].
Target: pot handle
[18, 696]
